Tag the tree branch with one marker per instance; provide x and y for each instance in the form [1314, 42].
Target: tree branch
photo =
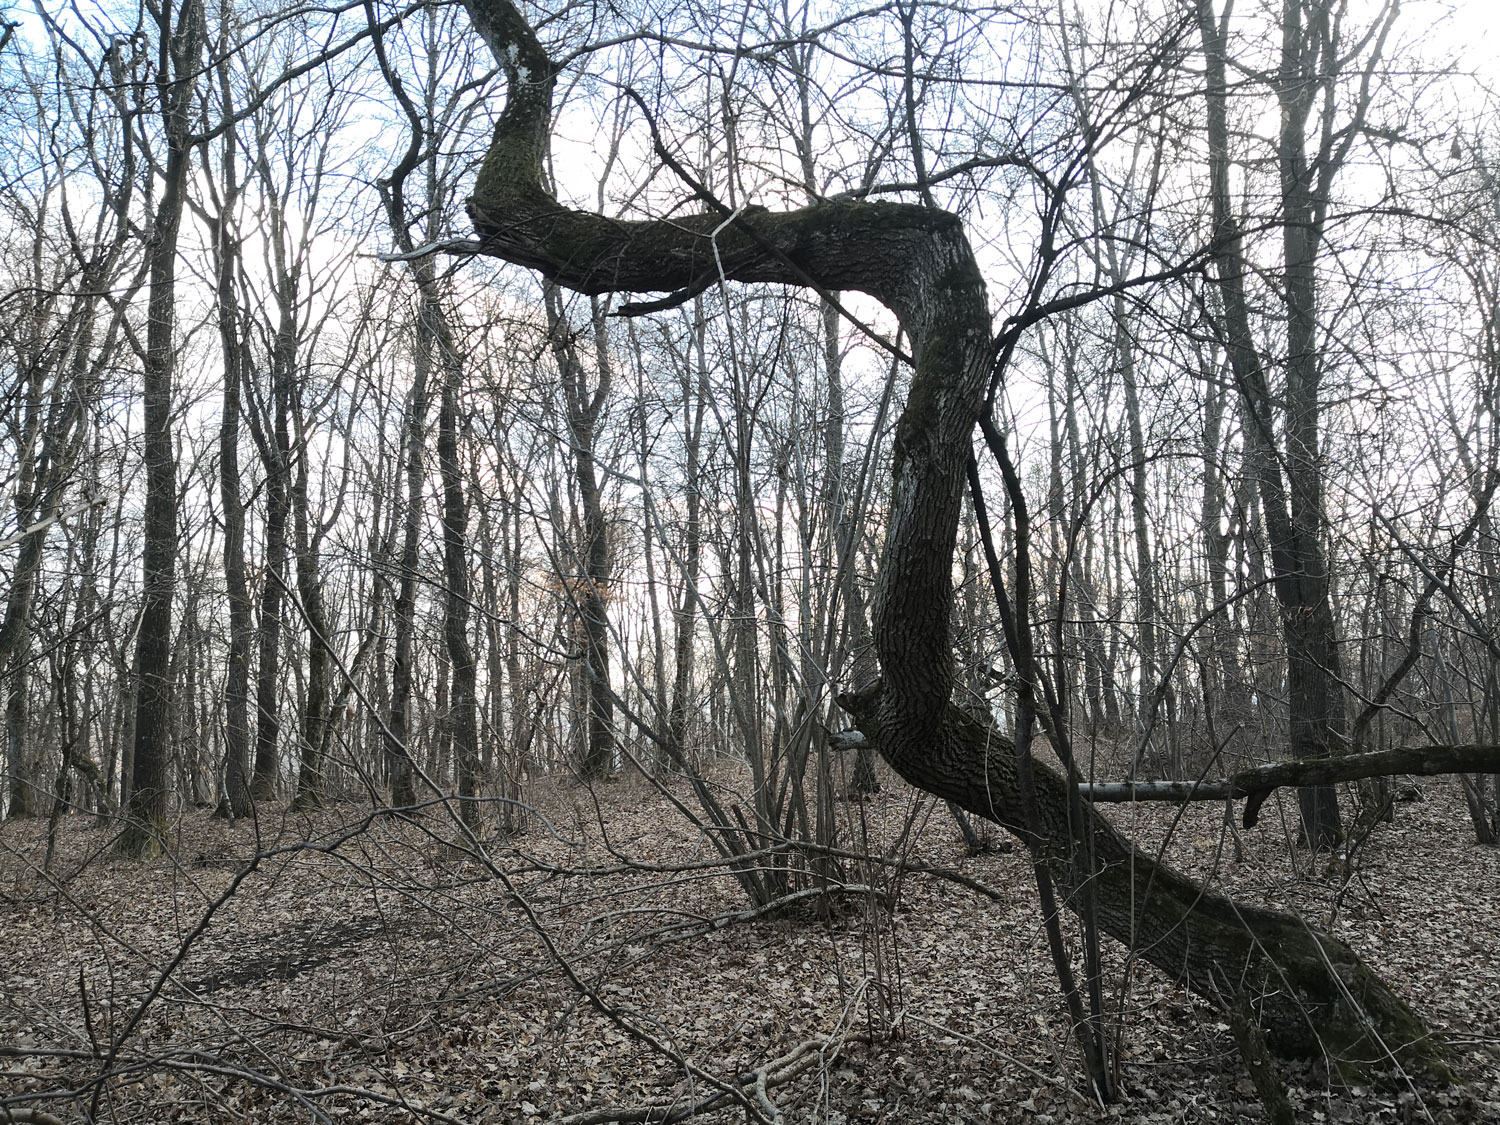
[1259, 782]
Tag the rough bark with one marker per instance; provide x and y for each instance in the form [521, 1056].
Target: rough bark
[146, 813]
[1292, 505]
[583, 409]
[1313, 992]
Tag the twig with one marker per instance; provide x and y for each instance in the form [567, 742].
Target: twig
[764, 1078]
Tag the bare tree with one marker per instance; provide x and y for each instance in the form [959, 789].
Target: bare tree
[917, 261]
[226, 247]
[1317, 52]
[179, 32]
[587, 584]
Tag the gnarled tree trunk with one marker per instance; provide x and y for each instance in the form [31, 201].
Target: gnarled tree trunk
[1312, 992]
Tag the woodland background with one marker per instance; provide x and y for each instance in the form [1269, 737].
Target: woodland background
[312, 513]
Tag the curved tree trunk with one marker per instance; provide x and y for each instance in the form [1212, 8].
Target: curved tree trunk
[1312, 992]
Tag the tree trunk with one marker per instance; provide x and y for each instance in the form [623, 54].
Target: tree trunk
[462, 700]
[1315, 993]
[492, 738]
[237, 801]
[314, 720]
[146, 813]
[1292, 508]
[583, 410]
[523, 722]
[398, 726]
[1222, 696]
[275, 451]
[19, 769]
[1314, 684]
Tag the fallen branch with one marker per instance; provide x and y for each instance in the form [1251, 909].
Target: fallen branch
[800, 1059]
[1259, 782]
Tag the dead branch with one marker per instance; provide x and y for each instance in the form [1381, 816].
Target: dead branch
[758, 1082]
[1259, 782]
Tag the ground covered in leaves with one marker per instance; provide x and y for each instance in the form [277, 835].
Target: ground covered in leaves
[350, 966]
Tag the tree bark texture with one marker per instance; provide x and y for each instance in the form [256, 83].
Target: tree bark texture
[1313, 991]
[463, 702]
[146, 814]
[583, 409]
[237, 800]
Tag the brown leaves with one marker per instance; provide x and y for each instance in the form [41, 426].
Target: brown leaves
[375, 987]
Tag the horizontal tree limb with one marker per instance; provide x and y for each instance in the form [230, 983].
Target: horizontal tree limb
[1258, 782]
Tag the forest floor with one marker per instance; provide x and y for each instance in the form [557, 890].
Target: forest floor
[348, 967]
